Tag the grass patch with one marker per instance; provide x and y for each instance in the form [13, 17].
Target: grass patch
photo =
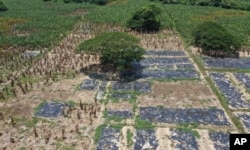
[29, 123]
[98, 130]
[129, 138]
[189, 130]
[117, 126]
[143, 124]
[98, 133]
[114, 118]
[134, 107]
[131, 100]
[188, 127]
[111, 118]
[160, 106]
[36, 109]
[71, 103]
[45, 23]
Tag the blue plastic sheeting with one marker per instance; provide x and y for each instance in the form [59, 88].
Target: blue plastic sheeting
[184, 140]
[99, 76]
[122, 86]
[220, 140]
[51, 109]
[170, 74]
[234, 97]
[162, 68]
[163, 61]
[185, 66]
[118, 89]
[243, 63]
[109, 139]
[125, 114]
[145, 139]
[141, 87]
[243, 78]
[245, 118]
[165, 53]
[121, 96]
[90, 84]
[30, 54]
[189, 115]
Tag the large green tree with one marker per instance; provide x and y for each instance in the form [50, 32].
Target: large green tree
[98, 2]
[116, 49]
[2, 7]
[145, 19]
[215, 40]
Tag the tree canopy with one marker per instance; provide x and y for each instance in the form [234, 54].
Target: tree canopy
[116, 49]
[98, 2]
[228, 4]
[145, 19]
[2, 7]
[215, 40]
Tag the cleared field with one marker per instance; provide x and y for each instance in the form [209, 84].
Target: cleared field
[182, 94]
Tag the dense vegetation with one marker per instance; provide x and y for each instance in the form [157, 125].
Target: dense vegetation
[42, 26]
[229, 4]
[2, 7]
[99, 2]
[145, 19]
[181, 18]
[215, 40]
[47, 23]
[116, 49]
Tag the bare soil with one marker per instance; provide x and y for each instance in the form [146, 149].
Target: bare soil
[183, 94]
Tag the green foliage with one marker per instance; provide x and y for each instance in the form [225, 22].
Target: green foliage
[215, 40]
[74, 1]
[2, 7]
[172, 17]
[36, 109]
[129, 138]
[44, 23]
[111, 118]
[98, 2]
[189, 130]
[28, 122]
[117, 50]
[145, 19]
[143, 124]
[98, 133]
[228, 4]
[188, 127]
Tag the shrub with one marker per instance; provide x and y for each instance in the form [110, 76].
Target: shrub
[215, 40]
[98, 2]
[146, 19]
[228, 4]
[3, 7]
[116, 49]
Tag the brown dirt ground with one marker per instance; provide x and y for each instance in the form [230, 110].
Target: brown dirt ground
[169, 94]
[63, 90]
[180, 95]
[120, 106]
